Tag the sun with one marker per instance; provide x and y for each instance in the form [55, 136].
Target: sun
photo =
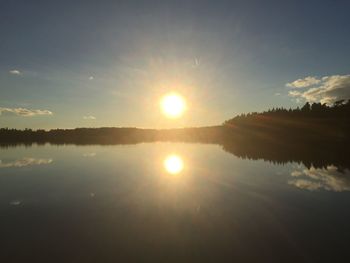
[173, 105]
[173, 164]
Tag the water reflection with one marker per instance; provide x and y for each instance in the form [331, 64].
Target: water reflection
[187, 202]
[24, 162]
[173, 164]
[89, 154]
[330, 178]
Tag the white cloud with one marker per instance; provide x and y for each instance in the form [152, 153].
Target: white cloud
[91, 77]
[25, 112]
[15, 72]
[90, 117]
[303, 83]
[329, 179]
[327, 90]
[295, 93]
[24, 162]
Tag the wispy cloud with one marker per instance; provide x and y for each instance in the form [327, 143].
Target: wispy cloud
[27, 161]
[90, 117]
[303, 83]
[326, 90]
[91, 77]
[330, 179]
[196, 63]
[295, 93]
[15, 72]
[24, 112]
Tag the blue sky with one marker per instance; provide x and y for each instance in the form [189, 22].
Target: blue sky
[107, 63]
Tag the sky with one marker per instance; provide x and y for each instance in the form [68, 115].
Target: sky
[67, 64]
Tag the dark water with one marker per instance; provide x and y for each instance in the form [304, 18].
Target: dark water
[136, 204]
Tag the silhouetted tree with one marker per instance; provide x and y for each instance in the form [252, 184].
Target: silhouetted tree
[306, 107]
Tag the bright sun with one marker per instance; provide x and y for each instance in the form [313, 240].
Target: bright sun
[173, 105]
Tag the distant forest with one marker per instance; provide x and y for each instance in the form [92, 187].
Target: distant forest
[315, 134]
[312, 122]
[339, 111]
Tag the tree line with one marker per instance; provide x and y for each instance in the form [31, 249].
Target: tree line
[339, 111]
[312, 122]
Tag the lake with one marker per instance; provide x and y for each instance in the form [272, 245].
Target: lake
[168, 202]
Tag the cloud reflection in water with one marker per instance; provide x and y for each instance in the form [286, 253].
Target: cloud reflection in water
[330, 179]
[27, 161]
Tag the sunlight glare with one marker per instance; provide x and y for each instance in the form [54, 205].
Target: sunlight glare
[173, 164]
[173, 105]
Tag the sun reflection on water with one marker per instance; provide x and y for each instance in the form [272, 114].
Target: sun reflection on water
[173, 164]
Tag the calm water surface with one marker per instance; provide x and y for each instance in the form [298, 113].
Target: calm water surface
[168, 202]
